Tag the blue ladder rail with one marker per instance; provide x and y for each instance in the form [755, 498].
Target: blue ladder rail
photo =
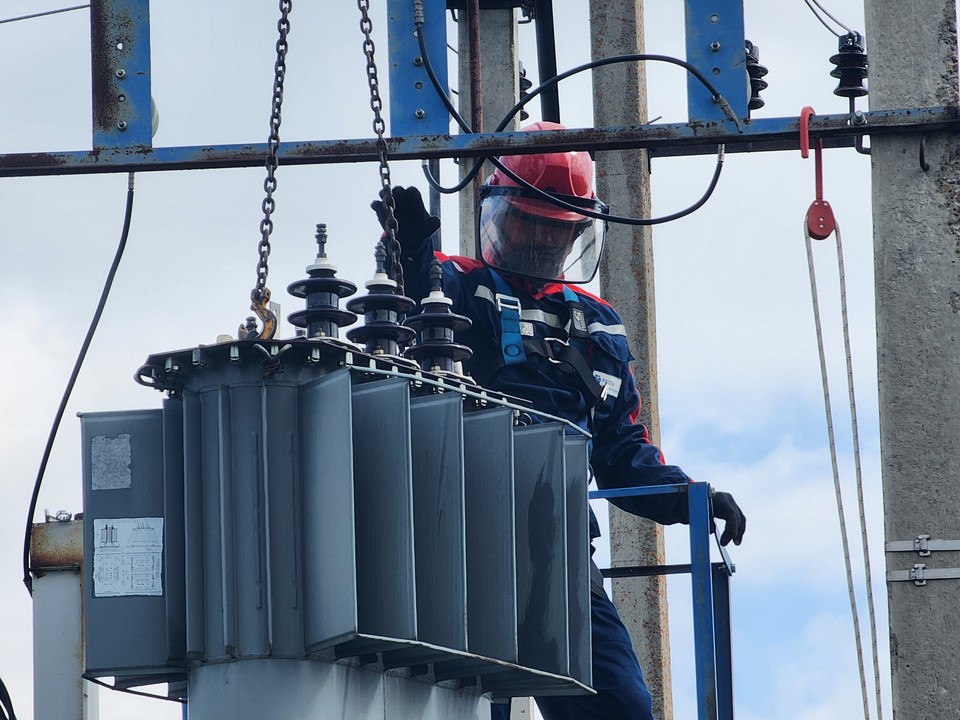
[711, 597]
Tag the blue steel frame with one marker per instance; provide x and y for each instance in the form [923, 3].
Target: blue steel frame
[715, 46]
[663, 140]
[120, 68]
[711, 599]
[120, 42]
[415, 108]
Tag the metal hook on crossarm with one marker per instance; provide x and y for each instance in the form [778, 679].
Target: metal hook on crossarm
[821, 222]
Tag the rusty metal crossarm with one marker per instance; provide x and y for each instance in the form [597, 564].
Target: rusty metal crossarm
[661, 139]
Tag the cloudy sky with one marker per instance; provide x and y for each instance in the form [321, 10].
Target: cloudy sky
[740, 398]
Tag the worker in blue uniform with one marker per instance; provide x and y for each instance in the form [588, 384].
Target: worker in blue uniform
[537, 335]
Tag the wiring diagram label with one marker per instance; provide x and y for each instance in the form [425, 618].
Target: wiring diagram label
[110, 462]
[127, 557]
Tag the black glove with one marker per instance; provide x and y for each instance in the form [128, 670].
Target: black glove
[734, 521]
[414, 223]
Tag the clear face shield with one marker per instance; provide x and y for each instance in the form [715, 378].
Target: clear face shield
[523, 234]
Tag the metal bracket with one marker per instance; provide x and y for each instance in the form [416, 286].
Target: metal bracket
[919, 574]
[120, 69]
[415, 108]
[715, 45]
[922, 545]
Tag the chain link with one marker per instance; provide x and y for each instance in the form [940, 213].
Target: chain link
[273, 144]
[379, 127]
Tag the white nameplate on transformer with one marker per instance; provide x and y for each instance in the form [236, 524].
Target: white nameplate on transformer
[127, 557]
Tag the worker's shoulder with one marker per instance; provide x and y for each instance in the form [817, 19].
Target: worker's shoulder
[461, 263]
[594, 303]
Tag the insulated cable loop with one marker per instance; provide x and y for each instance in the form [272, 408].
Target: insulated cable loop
[620, 219]
[71, 382]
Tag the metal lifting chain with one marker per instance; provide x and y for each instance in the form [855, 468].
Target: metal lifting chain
[379, 126]
[260, 295]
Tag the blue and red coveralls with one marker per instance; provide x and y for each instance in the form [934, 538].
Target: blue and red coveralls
[621, 454]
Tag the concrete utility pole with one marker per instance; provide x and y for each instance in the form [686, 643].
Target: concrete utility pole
[499, 84]
[626, 278]
[916, 215]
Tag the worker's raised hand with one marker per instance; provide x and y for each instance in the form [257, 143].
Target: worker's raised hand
[414, 223]
[734, 521]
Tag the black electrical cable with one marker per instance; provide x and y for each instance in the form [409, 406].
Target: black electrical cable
[140, 693]
[6, 704]
[27, 580]
[621, 219]
[624, 220]
[467, 179]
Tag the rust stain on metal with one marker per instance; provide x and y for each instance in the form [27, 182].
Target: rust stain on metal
[56, 545]
[26, 160]
[109, 25]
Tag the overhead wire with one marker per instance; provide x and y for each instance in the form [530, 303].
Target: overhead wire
[868, 578]
[43, 14]
[814, 6]
[72, 381]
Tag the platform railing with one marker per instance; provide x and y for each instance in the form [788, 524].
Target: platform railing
[710, 584]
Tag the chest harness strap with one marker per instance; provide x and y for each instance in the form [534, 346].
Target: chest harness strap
[573, 364]
[508, 306]
[515, 347]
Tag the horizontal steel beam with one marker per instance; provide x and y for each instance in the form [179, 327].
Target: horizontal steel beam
[648, 570]
[662, 140]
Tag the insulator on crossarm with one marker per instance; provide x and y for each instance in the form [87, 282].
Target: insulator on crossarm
[322, 290]
[525, 85]
[756, 72]
[435, 325]
[382, 308]
[851, 66]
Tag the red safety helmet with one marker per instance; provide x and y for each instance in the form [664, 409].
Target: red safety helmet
[561, 173]
[523, 233]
